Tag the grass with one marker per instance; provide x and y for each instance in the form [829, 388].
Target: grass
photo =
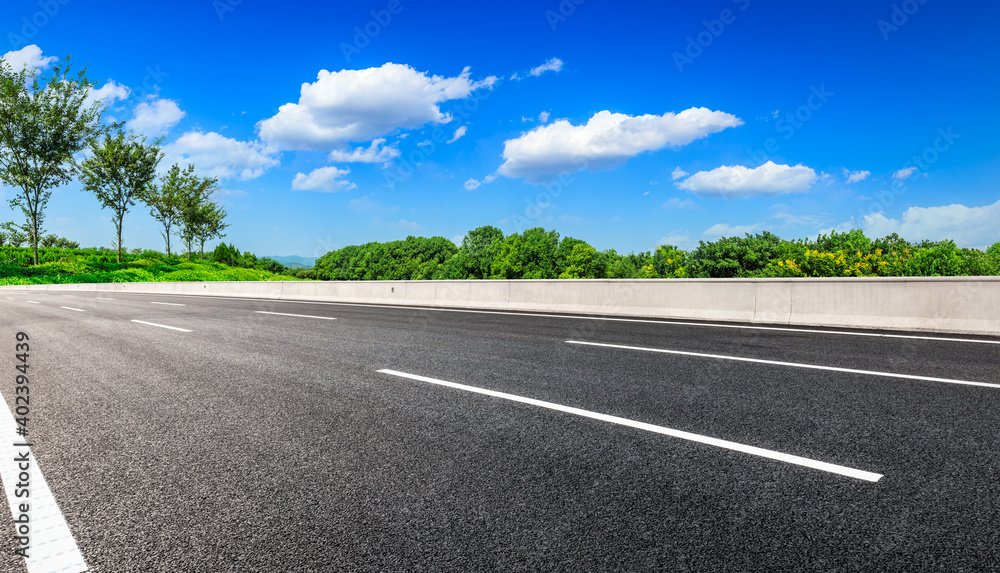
[66, 266]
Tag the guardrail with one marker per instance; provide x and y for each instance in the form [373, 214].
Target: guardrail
[969, 305]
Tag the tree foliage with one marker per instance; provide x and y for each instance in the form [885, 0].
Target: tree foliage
[118, 171]
[43, 124]
[486, 253]
[182, 200]
[164, 199]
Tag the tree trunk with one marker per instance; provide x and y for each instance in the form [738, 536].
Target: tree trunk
[119, 229]
[34, 236]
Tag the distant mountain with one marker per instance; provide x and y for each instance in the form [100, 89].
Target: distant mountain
[295, 261]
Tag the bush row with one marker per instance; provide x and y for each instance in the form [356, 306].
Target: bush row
[486, 253]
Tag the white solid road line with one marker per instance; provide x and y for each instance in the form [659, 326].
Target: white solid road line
[168, 303]
[161, 325]
[103, 298]
[51, 547]
[617, 319]
[298, 315]
[752, 450]
[792, 364]
[76, 309]
[34, 302]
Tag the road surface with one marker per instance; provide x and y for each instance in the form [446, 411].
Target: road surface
[210, 434]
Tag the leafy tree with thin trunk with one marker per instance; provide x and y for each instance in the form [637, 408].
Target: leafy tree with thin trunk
[197, 217]
[210, 224]
[43, 124]
[165, 200]
[118, 172]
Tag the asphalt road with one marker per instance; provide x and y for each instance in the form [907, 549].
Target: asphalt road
[269, 442]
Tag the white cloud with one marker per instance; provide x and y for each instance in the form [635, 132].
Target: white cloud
[30, 56]
[459, 133]
[472, 184]
[377, 152]
[326, 179]
[552, 65]
[679, 239]
[737, 181]
[404, 225]
[967, 226]
[229, 193]
[606, 140]
[726, 230]
[678, 203]
[361, 105]
[544, 117]
[678, 173]
[156, 117]
[791, 218]
[841, 228]
[365, 204]
[904, 173]
[572, 219]
[215, 155]
[855, 176]
[108, 94]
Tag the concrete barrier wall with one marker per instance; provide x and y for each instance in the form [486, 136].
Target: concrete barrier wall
[969, 305]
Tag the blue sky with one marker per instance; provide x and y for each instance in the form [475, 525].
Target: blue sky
[626, 124]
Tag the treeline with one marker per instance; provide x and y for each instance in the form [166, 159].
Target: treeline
[51, 133]
[12, 235]
[486, 253]
[103, 265]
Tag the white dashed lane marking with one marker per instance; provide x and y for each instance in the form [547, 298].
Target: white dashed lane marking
[298, 315]
[725, 444]
[161, 325]
[791, 364]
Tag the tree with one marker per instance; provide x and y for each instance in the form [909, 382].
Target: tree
[581, 262]
[199, 217]
[164, 200]
[228, 255]
[42, 125]
[15, 235]
[478, 249]
[730, 257]
[119, 171]
[538, 253]
[210, 225]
